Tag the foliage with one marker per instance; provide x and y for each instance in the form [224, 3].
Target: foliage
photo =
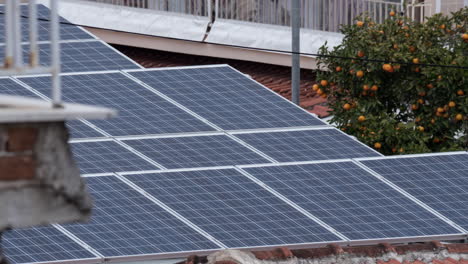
[398, 103]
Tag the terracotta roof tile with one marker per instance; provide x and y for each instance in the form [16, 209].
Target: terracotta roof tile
[274, 77]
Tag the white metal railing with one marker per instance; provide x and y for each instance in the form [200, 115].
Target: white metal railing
[189, 7]
[14, 64]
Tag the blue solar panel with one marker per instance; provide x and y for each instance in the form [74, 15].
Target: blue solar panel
[232, 208]
[77, 128]
[227, 98]
[323, 144]
[140, 110]
[439, 181]
[196, 151]
[352, 201]
[124, 222]
[41, 244]
[67, 32]
[82, 57]
[106, 157]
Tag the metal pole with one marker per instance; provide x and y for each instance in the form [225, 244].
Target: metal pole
[55, 54]
[33, 48]
[18, 48]
[10, 37]
[296, 67]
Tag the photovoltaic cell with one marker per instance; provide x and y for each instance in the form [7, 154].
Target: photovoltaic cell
[81, 57]
[227, 98]
[124, 222]
[106, 157]
[196, 151]
[439, 181]
[41, 244]
[232, 208]
[352, 201]
[140, 111]
[77, 128]
[306, 145]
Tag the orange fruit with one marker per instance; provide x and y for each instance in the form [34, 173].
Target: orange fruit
[432, 121]
[361, 118]
[417, 69]
[422, 94]
[365, 87]
[338, 69]
[346, 106]
[436, 140]
[387, 67]
[377, 145]
[401, 150]
[414, 107]
[395, 46]
[324, 95]
[459, 117]
[319, 91]
[351, 71]
[452, 104]
[374, 88]
[324, 82]
[360, 23]
[359, 74]
[392, 13]
[430, 86]
[400, 22]
[421, 101]
[393, 150]
[381, 32]
[439, 78]
[460, 92]
[465, 36]
[407, 35]
[421, 128]
[440, 110]
[416, 61]
[446, 115]
[315, 87]
[412, 48]
[442, 26]
[360, 54]
[364, 93]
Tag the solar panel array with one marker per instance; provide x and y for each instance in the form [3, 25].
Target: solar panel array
[205, 158]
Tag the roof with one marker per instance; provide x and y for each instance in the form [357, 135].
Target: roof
[433, 252]
[277, 78]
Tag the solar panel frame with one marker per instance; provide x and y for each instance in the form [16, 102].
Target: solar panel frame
[283, 144]
[441, 212]
[316, 121]
[354, 241]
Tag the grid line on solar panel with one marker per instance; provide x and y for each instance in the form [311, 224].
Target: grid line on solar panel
[125, 223]
[308, 144]
[351, 200]
[439, 180]
[41, 244]
[12, 86]
[107, 156]
[226, 98]
[83, 56]
[141, 111]
[231, 208]
[196, 151]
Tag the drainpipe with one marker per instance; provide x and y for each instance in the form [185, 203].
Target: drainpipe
[295, 66]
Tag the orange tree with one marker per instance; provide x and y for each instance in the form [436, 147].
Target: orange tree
[391, 96]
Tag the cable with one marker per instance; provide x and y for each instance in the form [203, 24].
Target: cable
[264, 49]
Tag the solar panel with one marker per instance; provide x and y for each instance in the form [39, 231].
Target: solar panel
[41, 244]
[440, 181]
[196, 151]
[306, 145]
[79, 129]
[82, 57]
[227, 98]
[124, 223]
[232, 208]
[352, 201]
[106, 157]
[67, 32]
[140, 110]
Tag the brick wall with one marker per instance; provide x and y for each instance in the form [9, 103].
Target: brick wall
[17, 158]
